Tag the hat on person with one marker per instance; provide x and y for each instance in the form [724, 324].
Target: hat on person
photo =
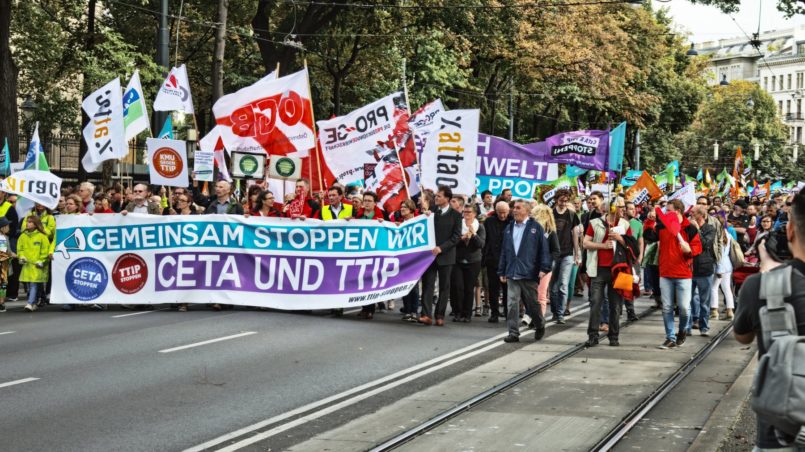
[4, 222]
[740, 203]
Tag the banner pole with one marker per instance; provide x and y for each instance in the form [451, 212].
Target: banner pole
[315, 134]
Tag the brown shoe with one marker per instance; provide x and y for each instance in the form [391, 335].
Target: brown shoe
[216, 307]
[604, 328]
[425, 320]
[439, 321]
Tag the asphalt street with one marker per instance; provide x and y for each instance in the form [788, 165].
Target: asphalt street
[165, 380]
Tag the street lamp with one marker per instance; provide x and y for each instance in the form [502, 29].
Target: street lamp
[28, 107]
[692, 51]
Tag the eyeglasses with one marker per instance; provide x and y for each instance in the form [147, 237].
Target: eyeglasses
[268, 198]
[139, 191]
[788, 204]
[766, 221]
[182, 200]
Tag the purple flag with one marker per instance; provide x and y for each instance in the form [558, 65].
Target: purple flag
[588, 149]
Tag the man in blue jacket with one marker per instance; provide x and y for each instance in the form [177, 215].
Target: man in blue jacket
[524, 260]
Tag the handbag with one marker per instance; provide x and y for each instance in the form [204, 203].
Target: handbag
[623, 281]
[736, 255]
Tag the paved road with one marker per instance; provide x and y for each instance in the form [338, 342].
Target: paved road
[103, 384]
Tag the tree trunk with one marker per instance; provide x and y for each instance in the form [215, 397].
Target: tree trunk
[89, 46]
[9, 127]
[337, 80]
[218, 56]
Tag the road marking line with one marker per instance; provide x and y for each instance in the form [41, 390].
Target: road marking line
[198, 344]
[17, 382]
[7, 332]
[138, 313]
[325, 401]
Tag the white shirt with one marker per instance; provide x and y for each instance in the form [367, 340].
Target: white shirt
[517, 234]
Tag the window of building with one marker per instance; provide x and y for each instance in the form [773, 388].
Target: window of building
[788, 107]
[800, 78]
[780, 107]
[773, 82]
[799, 108]
[765, 83]
[781, 84]
[799, 134]
[789, 81]
[801, 48]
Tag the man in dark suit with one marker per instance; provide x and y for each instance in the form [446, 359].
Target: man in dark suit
[524, 260]
[447, 225]
[494, 225]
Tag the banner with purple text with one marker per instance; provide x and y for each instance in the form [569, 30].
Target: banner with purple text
[502, 164]
[256, 261]
[588, 149]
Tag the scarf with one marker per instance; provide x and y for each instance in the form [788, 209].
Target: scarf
[465, 228]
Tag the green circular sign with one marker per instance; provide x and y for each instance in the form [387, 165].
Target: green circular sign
[248, 165]
[285, 167]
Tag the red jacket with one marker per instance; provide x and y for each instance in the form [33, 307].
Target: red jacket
[378, 214]
[673, 262]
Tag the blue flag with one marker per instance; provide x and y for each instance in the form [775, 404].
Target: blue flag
[617, 142]
[167, 129]
[35, 158]
[574, 171]
[699, 176]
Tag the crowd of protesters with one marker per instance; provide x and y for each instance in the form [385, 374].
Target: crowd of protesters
[495, 257]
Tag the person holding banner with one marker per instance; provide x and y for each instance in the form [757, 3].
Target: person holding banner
[8, 212]
[264, 207]
[141, 204]
[33, 249]
[468, 264]
[370, 211]
[337, 208]
[447, 228]
[222, 203]
[86, 190]
[5, 259]
[301, 206]
[49, 225]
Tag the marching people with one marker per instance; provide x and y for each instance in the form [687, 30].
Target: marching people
[5, 259]
[86, 191]
[302, 205]
[544, 216]
[265, 206]
[33, 249]
[723, 279]
[636, 228]
[524, 260]
[494, 227]
[468, 264]
[447, 229]
[704, 266]
[336, 207]
[679, 244]
[370, 211]
[600, 240]
[567, 233]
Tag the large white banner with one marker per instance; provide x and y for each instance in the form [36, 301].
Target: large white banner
[174, 94]
[686, 194]
[167, 162]
[349, 142]
[41, 187]
[449, 157]
[105, 132]
[272, 116]
[272, 262]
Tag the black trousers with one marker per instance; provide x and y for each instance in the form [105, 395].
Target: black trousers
[429, 286]
[603, 282]
[13, 289]
[462, 286]
[496, 289]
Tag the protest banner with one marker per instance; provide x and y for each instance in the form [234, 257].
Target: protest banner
[248, 166]
[167, 162]
[42, 187]
[630, 178]
[645, 189]
[547, 192]
[269, 262]
[686, 194]
[105, 132]
[174, 94]
[588, 149]
[450, 155]
[203, 166]
[348, 142]
[502, 164]
[272, 116]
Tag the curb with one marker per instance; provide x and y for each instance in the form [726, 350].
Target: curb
[720, 422]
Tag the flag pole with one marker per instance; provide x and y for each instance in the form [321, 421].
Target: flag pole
[315, 134]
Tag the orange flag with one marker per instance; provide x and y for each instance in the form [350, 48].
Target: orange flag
[645, 189]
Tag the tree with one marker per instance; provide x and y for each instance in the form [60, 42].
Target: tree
[8, 82]
[789, 7]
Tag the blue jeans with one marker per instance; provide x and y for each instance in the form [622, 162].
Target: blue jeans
[560, 280]
[700, 305]
[33, 290]
[679, 289]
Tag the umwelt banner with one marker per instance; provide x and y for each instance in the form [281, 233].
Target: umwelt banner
[588, 149]
[270, 262]
[502, 164]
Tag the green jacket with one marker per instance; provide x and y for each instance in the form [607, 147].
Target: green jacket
[34, 247]
[48, 222]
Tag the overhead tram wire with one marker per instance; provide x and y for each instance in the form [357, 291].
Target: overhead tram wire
[472, 7]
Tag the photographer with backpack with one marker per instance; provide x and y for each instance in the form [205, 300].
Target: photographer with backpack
[771, 307]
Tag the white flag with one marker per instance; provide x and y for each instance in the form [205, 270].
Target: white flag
[424, 122]
[686, 194]
[105, 133]
[135, 112]
[270, 116]
[213, 142]
[449, 156]
[41, 187]
[348, 142]
[167, 162]
[174, 95]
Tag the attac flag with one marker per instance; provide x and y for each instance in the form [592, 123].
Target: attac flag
[35, 158]
[645, 189]
[175, 95]
[135, 112]
[349, 142]
[5, 161]
[105, 133]
[167, 162]
[270, 116]
[167, 129]
[449, 157]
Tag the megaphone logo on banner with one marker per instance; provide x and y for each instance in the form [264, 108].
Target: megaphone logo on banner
[75, 241]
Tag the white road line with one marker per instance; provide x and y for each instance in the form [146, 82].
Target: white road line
[138, 313]
[358, 389]
[198, 344]
[6, 332]
[17, 382]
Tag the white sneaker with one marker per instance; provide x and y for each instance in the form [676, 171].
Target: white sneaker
[30, 307]
[526, 319]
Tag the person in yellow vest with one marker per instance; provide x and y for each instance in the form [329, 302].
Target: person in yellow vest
[337, 208]
[49, 224]
[33, 249]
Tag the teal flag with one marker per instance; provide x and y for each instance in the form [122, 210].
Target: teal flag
[5, 160]
[167, 129]
[574, 171]
[699, 176]
[617, 142]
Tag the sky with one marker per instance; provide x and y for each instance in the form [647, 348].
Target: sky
[707, 23]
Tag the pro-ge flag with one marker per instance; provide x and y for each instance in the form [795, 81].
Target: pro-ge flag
[174, 95]
[135, 113]
[105, 133]
[167, 162]
[450, 154]
[35, 158]
[272, 116]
